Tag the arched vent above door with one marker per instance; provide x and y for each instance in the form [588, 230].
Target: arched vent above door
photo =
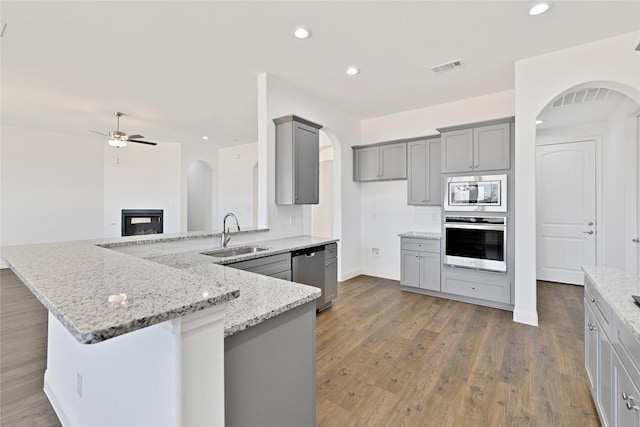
[581, 96]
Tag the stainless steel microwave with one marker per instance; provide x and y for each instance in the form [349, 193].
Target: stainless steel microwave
[487, 193]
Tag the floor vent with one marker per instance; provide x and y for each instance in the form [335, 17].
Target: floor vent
[582, 96]
[447, 66]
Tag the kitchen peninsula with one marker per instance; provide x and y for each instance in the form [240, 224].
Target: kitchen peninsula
[141, 341]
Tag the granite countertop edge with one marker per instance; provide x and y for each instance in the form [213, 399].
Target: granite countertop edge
[62, 277]
[425, 235]
[616, 286]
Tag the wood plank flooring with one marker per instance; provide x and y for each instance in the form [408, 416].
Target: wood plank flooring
[23, 356]
[385, 358]
[393, 358]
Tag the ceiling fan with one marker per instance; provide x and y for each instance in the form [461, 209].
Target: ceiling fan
[119, 139]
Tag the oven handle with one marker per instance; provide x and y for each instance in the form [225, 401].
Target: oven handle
[476, 226]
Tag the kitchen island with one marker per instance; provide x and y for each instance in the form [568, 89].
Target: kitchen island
[156, 331]
[612, 344]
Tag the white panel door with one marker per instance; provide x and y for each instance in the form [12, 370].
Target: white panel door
[566, 211]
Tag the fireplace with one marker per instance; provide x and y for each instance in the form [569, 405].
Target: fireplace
[137, 222]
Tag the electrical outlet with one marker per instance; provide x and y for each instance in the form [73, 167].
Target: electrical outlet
[375, 251]
[79, 383]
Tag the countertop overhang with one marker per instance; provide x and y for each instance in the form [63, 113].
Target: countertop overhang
[75, 280]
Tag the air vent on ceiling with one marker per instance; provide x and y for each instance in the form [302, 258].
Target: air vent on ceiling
[447, 66]
[582, 96]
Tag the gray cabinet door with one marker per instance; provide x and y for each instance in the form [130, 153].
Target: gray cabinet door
[457, 151]
[626, 412]
[491, 147]
[423, 173]
[305, 164]
[417, 173]
[331, 279]
[430, 271]
[393, 161]
[366, 164]
[434, 179]
[410, 269]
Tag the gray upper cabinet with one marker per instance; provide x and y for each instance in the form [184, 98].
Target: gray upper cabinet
[380, 162]
[297, 161]
[423, 172]
[481, 148]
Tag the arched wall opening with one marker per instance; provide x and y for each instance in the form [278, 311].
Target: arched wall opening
[596, 122]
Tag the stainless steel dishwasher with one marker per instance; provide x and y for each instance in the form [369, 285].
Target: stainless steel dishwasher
[307, 267]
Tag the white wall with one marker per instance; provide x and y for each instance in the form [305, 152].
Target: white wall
[384, 209]
[235, 182]
[142, 177]
[612, 63]
[51, 187]
[276, 99]
[199, 194]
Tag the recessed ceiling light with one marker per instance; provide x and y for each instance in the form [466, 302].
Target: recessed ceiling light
[352, 71]
[539, 122]
[539, 9]
[205, 137]
[302, 33]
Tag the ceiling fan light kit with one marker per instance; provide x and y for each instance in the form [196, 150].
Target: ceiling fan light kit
[119, 139]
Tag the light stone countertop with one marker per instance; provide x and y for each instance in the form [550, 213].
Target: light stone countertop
[616, 286]
[421, 235]
[74, 281]
[261, 297]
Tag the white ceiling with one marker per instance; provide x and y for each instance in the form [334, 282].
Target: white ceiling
[181, 70]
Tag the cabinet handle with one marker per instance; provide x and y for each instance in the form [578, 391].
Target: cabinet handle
[475, 166]
[593, 299]
[588, 232]
[636, 240]
[592, 327]
[470, 166]
[631, 406]
[625, 396]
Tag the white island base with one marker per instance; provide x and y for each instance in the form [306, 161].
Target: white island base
[169, 374]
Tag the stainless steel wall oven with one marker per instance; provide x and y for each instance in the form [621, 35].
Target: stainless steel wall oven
[476, 242]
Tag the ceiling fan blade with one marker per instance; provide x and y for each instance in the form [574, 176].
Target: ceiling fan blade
[131, 137]
[142, 142]
[99, 133]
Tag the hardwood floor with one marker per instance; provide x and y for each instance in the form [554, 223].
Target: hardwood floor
[385, 358]
[23, 356]
[393, 358]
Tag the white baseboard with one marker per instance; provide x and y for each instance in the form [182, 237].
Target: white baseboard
[59, 404]
[392, 275]
[526, 317]
[350, 274]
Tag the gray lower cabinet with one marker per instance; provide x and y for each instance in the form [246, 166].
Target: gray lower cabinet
[330, 272]
[424, 185]
[380, 162]
[612, 362]
[270, 372]
[476, 149]
[420, 263]
[297, 161]
[481, 287]
[278, 266]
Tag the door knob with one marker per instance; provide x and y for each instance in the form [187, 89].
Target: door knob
[588, 232]
[590, 223]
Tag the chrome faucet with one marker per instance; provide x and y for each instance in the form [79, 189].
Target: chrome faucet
[225, 237]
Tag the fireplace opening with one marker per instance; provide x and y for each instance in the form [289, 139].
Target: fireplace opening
[138, 222]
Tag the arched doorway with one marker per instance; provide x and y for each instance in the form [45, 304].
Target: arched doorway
[199, 196]
[586, 183]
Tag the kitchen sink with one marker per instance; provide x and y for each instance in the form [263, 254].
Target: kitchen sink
[228, 252]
